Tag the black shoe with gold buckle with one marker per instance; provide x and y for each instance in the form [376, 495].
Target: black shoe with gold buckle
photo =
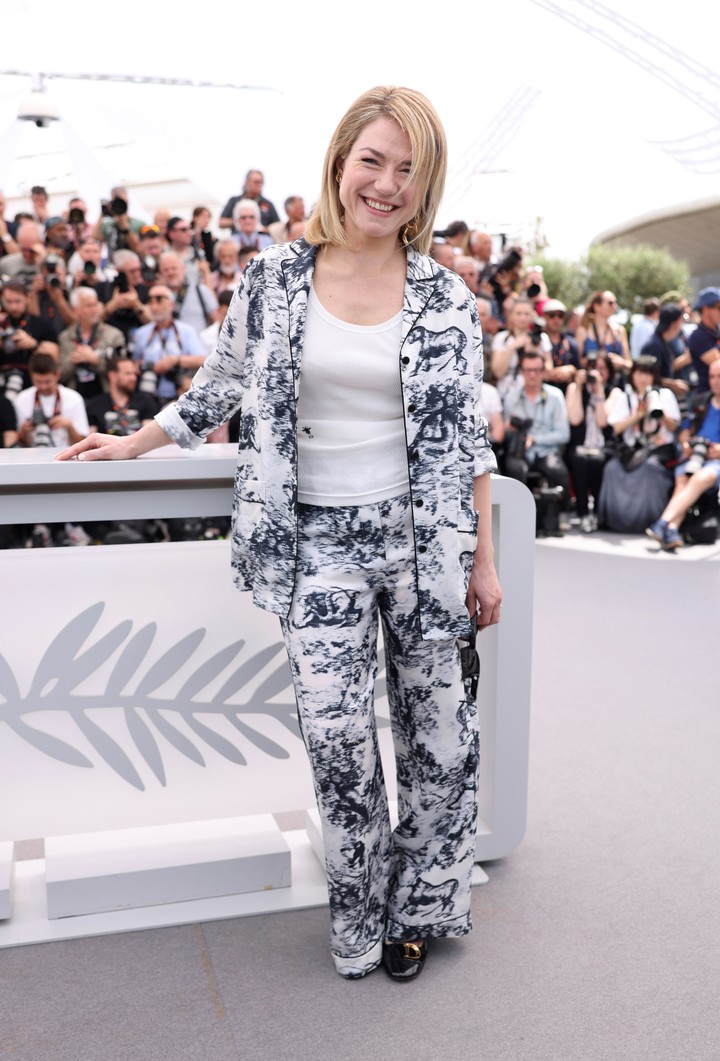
[404, 961]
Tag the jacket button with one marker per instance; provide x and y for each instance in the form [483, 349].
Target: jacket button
[422, 548]
[414, 455]
[406, 360]
[419, 503]
[411, 407]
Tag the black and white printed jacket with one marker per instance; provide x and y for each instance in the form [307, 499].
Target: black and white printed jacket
[257, 367]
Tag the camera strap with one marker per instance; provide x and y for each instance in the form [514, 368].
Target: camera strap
[38, 406]
[93, 336]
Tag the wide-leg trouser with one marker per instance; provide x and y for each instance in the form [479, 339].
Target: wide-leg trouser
[354, 565]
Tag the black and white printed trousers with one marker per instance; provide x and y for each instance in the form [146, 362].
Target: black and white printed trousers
[356, 565]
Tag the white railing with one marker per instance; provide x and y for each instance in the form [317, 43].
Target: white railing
[140, 691]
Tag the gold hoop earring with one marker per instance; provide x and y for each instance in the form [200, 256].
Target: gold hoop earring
[338, 176]
[410, 232]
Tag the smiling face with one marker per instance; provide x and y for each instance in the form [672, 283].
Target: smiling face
[374, 190]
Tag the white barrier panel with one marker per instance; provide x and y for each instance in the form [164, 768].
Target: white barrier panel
[138, 687]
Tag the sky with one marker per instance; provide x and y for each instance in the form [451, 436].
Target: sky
[582, 121]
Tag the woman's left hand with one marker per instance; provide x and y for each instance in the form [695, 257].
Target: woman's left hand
[484, 595]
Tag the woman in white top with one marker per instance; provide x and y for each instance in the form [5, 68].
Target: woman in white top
[363, 460]
[637, 483]
[643, 412]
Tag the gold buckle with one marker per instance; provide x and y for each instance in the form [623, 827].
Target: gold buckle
[412, 952]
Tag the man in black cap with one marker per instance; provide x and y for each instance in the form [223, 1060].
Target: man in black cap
[659, 346]
[704, 343]
[57, 237]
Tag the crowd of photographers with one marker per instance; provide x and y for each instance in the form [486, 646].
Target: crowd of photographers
[105, 318]
[611, 427]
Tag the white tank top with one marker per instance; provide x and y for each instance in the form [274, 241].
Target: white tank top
[351, 431]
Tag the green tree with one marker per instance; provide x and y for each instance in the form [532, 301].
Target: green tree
[632, 273]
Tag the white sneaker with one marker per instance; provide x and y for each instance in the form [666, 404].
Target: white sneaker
[587, 524]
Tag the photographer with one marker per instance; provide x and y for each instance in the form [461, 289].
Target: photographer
[123, 409]
[597, 332]
[590, 435]
[195, 304]
[115, 227]
[22, 334]
[502, 279]
[537, 427]
[166, 348]
[700, 470]
[78, 226]
[24, 264]
[704, 343]
[49, 414]
[125, 298]
[87, 345]
[150, 248]
[659, 346]
[85, 266]
[47, 297]
[57, 238]
[180, 236]
[563, 349]
[522, 335]
[636, 483]
[533, 287]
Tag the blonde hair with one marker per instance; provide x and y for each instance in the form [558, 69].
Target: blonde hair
[418, 119]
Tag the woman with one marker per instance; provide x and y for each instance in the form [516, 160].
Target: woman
[596, 332]
[357, 482]
[202, 238]
[590, 436]
[644, 417]
[521, 335]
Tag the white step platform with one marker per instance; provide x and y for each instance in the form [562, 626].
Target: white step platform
[7, 860]
[94, 873]
[30, 923]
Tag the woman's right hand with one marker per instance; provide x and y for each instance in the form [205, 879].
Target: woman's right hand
[97, 447]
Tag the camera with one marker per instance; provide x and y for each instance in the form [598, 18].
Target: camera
[12, 382]
[149, 269]
[591, 359]
[76, 216]
[42, 436]
[511, 261]
[148, 380]
[7, 338]
[517, 436]
[118, 207]
[698, 454]
[89, 268]
[533, 291]
[114, 424]
[51, 263]
[654, 403]
[123, 284]
[536, 334]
